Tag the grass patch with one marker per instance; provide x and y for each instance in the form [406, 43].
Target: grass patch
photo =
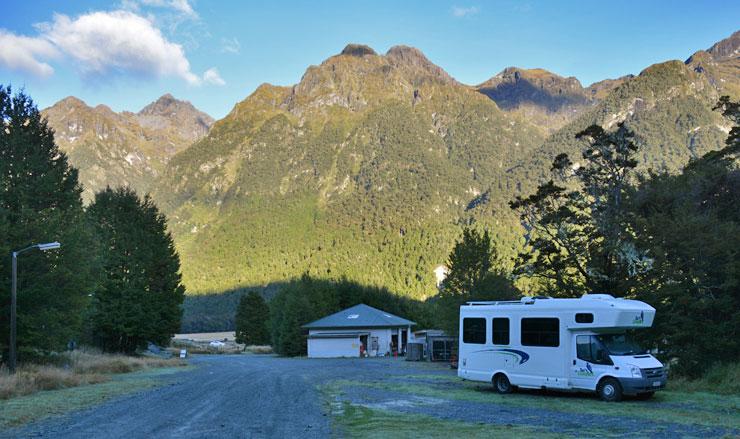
[20, 410]
[355, 421]
[254, 349]
[721, 378]
[667, 406]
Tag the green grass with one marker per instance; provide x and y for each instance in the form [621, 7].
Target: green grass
[18, 411]
[362, 422]
[702, 408]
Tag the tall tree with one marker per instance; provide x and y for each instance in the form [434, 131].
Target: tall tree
[40, 202]
[252, 316]
[473, 274]
[691, 224]
[139, 299]
[578, 232]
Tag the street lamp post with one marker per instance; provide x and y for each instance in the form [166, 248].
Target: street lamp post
[14, 287]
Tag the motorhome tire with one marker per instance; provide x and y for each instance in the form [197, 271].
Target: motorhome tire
[501, 384]
[645, 396]
[609, 390]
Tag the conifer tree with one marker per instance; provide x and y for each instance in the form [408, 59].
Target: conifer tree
[473, 275]
[140, 296]
[252, 316]
[40, 202]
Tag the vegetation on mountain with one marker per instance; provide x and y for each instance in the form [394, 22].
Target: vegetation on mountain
[252, 318]
[139, 296]
[40, 202]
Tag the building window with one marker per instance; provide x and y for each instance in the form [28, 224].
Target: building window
[500, 330]
[584, 317]
[541, 332]
[474, 330]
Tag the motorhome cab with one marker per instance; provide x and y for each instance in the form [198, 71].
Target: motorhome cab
[566, 344]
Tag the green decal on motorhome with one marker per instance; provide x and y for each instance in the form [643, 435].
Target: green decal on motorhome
[638, 320]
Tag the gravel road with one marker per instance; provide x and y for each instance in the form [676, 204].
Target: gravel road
[265, 396]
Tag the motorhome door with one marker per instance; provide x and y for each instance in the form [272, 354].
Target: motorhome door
[590, 361]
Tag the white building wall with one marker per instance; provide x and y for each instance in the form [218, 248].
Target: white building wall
[383, 334]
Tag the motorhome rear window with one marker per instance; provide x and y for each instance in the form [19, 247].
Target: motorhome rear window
[541, 332]
[474, 330]
[500, 330]
[584, 317]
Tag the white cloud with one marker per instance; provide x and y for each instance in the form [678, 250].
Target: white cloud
[458, 11]
[230, 45]
[211, 76]
[25, 54]
[180, 6]
[105, 43]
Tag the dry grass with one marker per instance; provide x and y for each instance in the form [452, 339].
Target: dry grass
[203, 347]
[74, 369]
[259, 349]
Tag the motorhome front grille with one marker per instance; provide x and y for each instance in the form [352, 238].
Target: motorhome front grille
[656, 372]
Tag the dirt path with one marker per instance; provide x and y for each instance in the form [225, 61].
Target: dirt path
[226, 396]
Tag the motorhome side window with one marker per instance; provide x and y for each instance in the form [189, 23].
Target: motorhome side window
[500, 330]
[474, 330]
[584, 317]
[541, 332]
[589, 348]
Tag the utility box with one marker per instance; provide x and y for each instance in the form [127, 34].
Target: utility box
[415, 352]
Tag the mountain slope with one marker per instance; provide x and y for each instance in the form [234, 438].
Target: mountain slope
[365, 168]
[124, 148]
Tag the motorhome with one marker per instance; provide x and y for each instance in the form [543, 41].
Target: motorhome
[567, 344]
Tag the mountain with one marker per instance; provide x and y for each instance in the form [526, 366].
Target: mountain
[366, 168]
[543, 97]
[668, 105]
[124, 148]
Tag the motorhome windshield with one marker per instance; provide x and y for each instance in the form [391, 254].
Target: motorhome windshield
[620, 344]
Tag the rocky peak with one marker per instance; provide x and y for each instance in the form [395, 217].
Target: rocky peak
[358, 50]
[411, 57]
[166, 105]
[727, 48]
[540, 78]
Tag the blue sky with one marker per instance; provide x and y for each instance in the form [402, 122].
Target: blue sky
[127, 53]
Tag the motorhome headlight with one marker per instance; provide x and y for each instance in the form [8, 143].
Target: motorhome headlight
[635, 371]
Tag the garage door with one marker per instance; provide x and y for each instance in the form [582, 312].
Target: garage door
[333, 347]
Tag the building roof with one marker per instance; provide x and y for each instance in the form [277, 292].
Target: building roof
[338, 334]
[359, 316]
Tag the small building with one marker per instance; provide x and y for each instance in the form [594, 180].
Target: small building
[341, 334]
[436, 345]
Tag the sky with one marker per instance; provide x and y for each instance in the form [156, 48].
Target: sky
[127, 53]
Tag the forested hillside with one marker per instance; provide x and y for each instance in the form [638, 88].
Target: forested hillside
[366, 169]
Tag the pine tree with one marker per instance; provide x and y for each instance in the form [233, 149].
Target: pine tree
[252, 316]
[474, 274]
[139, 299]
[40, 202]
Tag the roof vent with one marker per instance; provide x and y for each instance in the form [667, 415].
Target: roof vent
[598, 296]
[353, 316]
[527, 300]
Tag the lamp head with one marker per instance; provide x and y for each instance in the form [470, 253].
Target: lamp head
[49, 246]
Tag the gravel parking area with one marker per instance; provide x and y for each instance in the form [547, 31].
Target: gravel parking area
[268, 396]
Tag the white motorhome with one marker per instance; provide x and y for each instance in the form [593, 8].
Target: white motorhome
[566, 344]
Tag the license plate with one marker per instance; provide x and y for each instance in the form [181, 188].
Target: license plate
[656, 383]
